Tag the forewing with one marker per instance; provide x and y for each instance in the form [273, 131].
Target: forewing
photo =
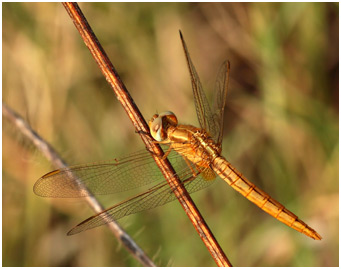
[202, 106]
[106, 177]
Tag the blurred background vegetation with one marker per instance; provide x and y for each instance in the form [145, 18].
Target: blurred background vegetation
[281, 126]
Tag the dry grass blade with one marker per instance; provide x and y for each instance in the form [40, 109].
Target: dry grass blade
[47, 150]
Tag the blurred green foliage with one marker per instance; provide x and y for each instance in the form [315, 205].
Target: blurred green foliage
[281, 126]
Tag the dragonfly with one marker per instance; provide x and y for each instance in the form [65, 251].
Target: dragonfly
[195, 154]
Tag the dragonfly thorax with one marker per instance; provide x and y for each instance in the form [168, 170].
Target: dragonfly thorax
[193, 143]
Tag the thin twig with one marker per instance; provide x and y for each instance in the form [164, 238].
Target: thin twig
[48, 151]
[141, 127]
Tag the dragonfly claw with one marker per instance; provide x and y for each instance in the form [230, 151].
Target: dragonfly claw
[142, 132]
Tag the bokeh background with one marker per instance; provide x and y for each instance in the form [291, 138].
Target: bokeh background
[281, 126]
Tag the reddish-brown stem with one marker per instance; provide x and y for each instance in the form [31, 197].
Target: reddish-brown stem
[141, 127]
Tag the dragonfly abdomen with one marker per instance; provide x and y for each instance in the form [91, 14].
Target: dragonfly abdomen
[237, 181]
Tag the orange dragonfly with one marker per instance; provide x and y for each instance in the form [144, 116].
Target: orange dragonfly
[195, 154]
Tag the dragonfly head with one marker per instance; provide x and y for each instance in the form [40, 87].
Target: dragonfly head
[159, 124]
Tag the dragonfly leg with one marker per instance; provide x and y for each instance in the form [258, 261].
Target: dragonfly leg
[153, 153]
[194, 173]
[168, 150]
[164, 157]
[140, 132]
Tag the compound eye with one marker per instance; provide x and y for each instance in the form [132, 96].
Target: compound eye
[169, 117]
[155, 127]
[159, 124]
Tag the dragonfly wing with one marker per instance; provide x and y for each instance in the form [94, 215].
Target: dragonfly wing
[154, 197]
[219, 100]
[106, 177]
[202, 106]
